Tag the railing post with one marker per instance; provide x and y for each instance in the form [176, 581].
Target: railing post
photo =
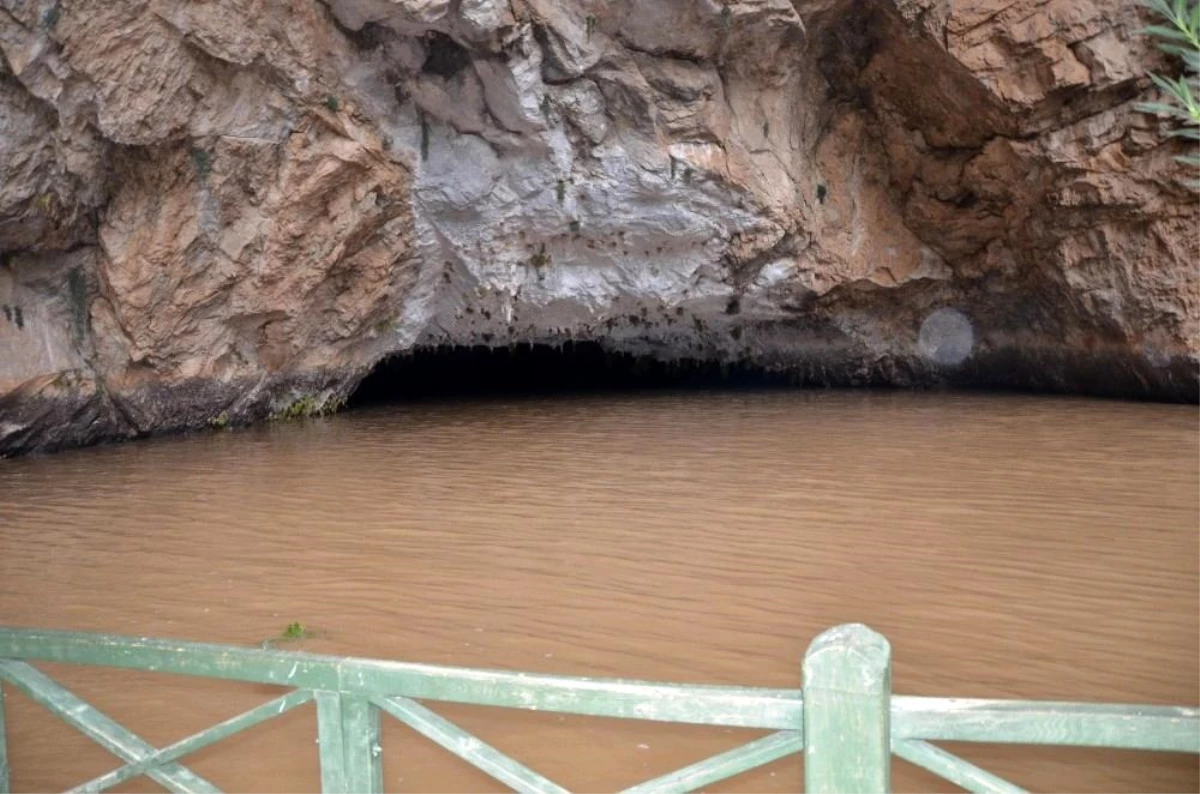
[847, 703]
[4, 782]
[364, 748]
[348, 736]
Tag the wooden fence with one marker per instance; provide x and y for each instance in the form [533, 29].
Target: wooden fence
[845, 719]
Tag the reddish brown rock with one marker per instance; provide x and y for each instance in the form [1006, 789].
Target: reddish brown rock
[216, 211]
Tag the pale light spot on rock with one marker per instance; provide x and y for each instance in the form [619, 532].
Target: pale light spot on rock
[947, 337]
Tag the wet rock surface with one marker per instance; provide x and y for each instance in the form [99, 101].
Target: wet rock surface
[219, 211]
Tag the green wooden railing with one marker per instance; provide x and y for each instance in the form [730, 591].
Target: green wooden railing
[844, 720]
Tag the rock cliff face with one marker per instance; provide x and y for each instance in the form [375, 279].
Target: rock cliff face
[217, 210]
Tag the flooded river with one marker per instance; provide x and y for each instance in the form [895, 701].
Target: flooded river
[1009, 547]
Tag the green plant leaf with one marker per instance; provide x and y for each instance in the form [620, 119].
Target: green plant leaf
[1159, 109]
[1183, 90]
[1164, 83]
[1175, 49]
[1165, 33]
[1158, 6]
[1177, 89]
[1178, 35]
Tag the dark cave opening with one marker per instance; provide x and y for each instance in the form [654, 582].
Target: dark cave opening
[536, 370]
[446, 57]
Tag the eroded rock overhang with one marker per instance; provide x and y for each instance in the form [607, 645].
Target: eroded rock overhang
[215, 210]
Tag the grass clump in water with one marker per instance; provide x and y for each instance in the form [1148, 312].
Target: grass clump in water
[294, 631]
[309, 406]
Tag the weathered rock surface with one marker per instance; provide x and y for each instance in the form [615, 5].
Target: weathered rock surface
[216, 210]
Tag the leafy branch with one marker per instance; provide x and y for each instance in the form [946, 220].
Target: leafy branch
[1178, 34]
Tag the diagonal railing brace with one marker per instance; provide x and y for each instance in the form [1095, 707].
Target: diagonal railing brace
[98, 727]
[197, 741]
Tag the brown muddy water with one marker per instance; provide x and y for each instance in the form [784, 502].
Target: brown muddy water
[1009, 547]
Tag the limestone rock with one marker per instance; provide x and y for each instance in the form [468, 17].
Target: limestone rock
[220, 210]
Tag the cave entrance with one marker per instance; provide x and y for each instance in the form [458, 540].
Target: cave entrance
[535, 370]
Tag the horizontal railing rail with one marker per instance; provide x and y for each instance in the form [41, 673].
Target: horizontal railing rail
[845, 719]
